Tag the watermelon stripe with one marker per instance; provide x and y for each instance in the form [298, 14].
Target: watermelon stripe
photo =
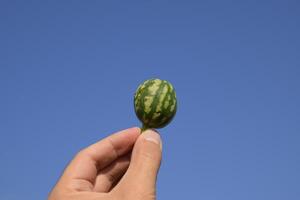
[159, 121]
[160, 107]
[143, 94]
[142, 98]
[152, 91]
[166, 97]
[155, 102]
[174, 104]
[164, 111]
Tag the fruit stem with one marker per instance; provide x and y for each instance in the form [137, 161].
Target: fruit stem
[144, 127]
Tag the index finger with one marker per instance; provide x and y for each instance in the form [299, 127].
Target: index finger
[90, 160]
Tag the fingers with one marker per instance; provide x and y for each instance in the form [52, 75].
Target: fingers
[110, 148]
[90, 160]
[145, 163]
[110, 175]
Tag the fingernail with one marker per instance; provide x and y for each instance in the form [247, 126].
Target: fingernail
[152, 136]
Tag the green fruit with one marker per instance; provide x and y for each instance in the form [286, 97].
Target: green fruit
[155, 103]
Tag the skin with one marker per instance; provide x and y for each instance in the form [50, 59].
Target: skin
[122, 166]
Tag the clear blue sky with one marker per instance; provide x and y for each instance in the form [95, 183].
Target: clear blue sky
[69, 69]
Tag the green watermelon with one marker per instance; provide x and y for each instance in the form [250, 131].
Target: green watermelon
[155, 103]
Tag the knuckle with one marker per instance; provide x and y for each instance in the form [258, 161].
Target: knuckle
[81, 154]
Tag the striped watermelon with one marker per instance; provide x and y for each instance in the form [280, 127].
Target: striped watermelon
[155, 103]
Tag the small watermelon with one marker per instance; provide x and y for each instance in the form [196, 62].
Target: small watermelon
[155, 103]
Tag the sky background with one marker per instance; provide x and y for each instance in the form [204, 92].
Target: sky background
[69, 70]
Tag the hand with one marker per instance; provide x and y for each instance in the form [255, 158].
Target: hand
[107, 170]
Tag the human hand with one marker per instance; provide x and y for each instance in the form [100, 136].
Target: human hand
[107, 170]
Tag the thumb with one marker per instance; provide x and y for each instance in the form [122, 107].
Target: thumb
[145, 162]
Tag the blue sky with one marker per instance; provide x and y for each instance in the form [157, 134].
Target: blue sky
[69, 69]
